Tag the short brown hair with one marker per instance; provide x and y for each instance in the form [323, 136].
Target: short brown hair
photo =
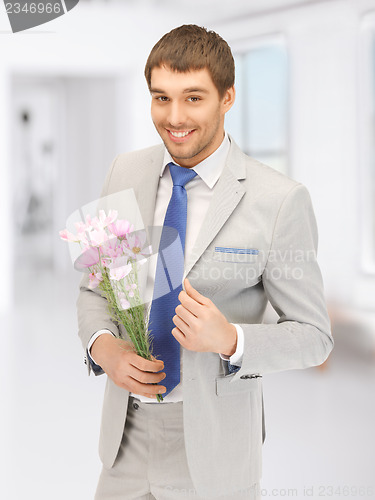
[190, 47]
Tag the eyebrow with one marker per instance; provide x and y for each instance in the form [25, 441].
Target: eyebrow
[186, 91]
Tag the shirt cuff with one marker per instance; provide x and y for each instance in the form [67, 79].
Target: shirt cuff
[236, 358]
[92, 340]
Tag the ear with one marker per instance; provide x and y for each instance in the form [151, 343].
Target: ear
[229, 98]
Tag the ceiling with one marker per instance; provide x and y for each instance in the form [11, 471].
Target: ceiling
[226, 9]
[207, 12]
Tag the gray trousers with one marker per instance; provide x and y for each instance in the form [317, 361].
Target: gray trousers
[151, 463]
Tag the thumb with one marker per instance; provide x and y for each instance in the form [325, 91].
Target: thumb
[157, 360]
[193, 293]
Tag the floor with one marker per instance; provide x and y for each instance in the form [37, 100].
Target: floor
[320, 422]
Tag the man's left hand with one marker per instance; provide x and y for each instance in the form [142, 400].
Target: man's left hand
[200, 326]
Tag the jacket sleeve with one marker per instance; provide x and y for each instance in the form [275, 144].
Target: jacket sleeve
[293, 284]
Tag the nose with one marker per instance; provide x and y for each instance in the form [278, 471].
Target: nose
[177, 114]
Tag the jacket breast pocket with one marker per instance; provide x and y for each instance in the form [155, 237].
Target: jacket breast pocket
[237, 269]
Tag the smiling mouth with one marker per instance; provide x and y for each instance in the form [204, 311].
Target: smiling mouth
[179, 135]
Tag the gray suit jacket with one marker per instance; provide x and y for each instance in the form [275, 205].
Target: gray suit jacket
[257, 209]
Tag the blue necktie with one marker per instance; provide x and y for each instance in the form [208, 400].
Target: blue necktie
[168, 278]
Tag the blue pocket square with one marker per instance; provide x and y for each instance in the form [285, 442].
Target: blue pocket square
[247, 251]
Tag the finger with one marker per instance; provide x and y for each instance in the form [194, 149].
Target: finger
[190, 304]
[145, 377]
[185, 315]
[194, 294]
[181, 325]
[179, 336]
[139, 388]
[144, 364]
[155, 359]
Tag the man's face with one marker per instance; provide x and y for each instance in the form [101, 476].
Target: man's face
[188, 113]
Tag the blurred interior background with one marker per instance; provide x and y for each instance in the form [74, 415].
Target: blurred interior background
[72, 96]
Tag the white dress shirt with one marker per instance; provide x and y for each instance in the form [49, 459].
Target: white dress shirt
[199, 192]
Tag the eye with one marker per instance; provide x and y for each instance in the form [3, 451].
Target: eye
[162, 98]
[194, 99]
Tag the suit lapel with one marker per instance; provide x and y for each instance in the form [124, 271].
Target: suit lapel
[147, 185]
[226, 196]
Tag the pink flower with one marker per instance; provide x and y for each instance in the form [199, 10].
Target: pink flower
[106, 262]
[111, 248]
[81, 233]
[125, 304]
[88, 258]
[106, 220]
[88, 222]
[67, 236]
[95, 279]
[120, 228]
[101, 222]
[134, 245]
[97, 237]
[130, 289]
[118, 273]
[118, 261]
[80, 226]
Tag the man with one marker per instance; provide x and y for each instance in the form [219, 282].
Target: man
[250, 237]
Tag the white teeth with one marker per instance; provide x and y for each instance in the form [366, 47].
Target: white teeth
[180, 134]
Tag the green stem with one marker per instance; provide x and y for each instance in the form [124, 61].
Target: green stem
[133, 319]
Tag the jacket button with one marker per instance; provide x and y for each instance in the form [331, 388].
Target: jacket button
[135, 406]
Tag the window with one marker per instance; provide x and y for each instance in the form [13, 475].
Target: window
[258, 120]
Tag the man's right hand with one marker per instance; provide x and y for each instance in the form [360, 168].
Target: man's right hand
[126, 369]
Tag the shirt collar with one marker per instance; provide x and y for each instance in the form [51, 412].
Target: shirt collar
[209, 170]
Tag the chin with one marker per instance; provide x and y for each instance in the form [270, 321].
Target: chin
[179, 155]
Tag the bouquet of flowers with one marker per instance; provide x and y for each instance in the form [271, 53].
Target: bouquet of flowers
[112, 253]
